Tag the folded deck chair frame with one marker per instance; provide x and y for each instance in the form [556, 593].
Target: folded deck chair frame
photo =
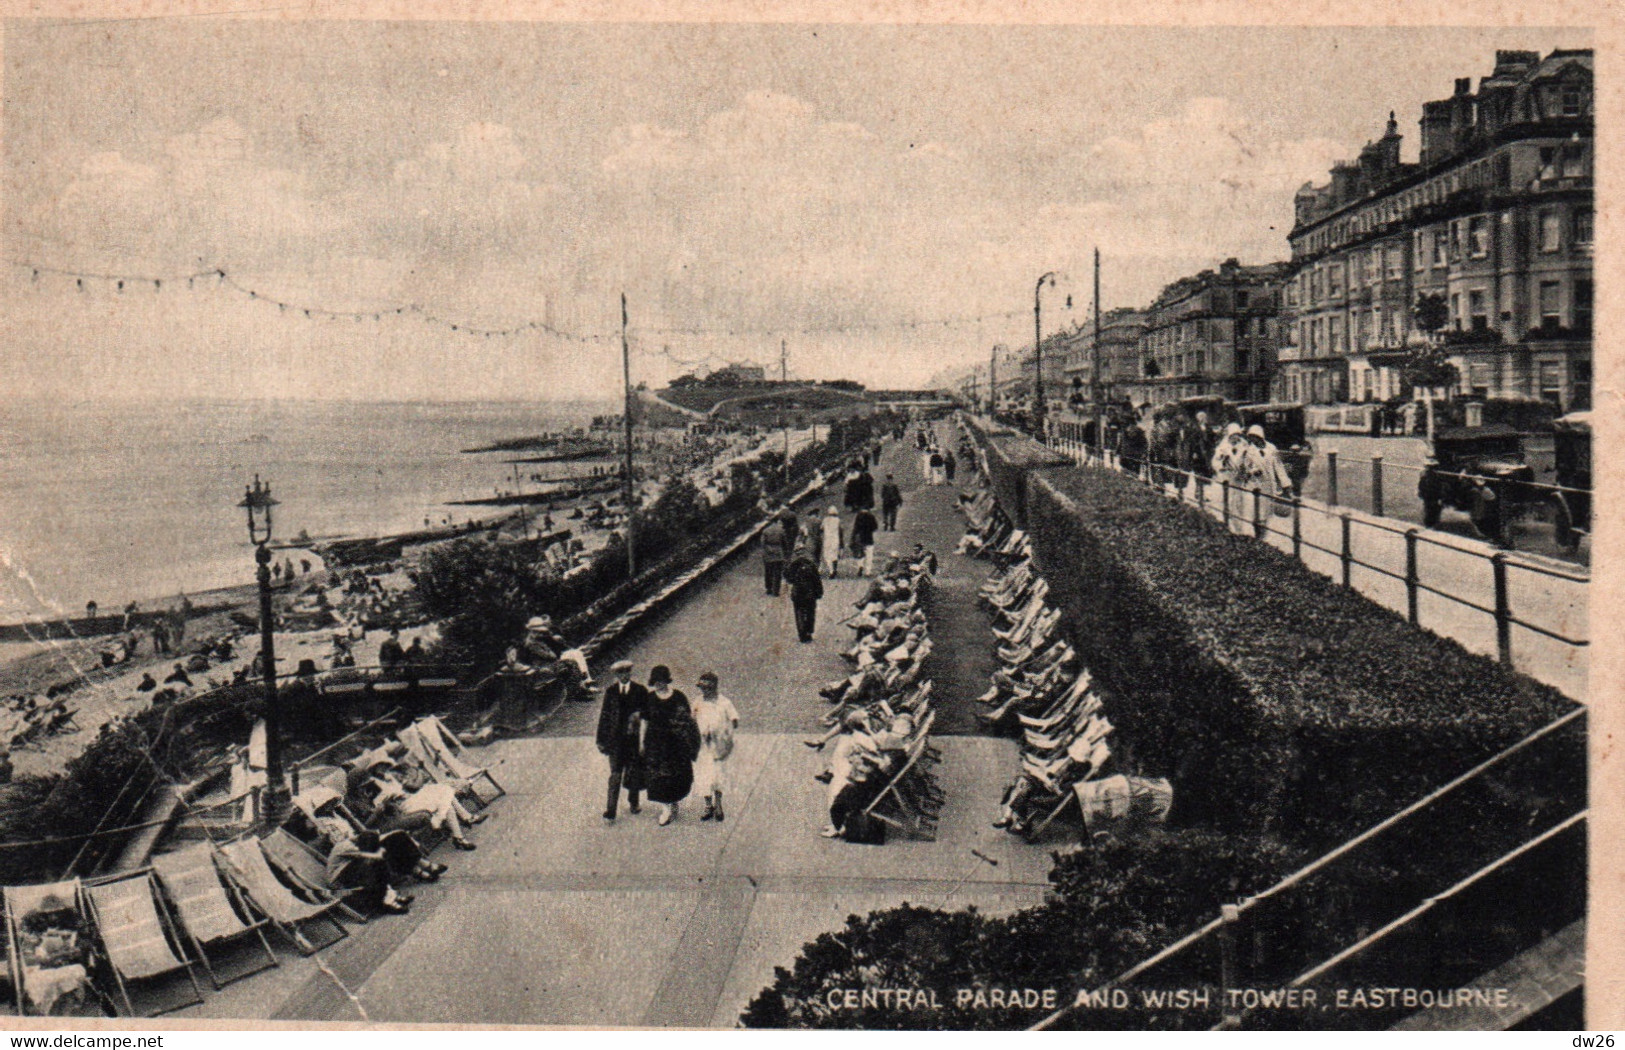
[210, 910]
[245, 864]
[449, 754]
[138, 938]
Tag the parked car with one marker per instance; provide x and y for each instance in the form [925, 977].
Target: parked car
[1286, 427]
[1481, 471]
[1571, 503]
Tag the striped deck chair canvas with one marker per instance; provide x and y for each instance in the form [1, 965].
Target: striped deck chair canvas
[136, 939]
[246, 865]
[48, 942]
[207, 915]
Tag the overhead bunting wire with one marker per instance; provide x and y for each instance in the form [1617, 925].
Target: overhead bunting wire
[245, 288]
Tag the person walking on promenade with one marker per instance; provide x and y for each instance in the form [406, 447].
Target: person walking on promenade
[792, 531]
[891, 498]
[860, 488]
[805, 589]
[390, 653]
[620, 726]
[830, 544]
[670, 744]
[949, 464]
[773, 555]
[717, 719]
[935, 463]
[864, 527]
[812, 534]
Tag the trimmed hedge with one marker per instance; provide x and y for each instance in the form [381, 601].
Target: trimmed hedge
[1273, 697]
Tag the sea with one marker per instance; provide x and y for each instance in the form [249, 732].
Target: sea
[113, 501]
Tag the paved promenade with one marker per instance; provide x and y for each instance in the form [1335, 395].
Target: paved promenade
[559, 918]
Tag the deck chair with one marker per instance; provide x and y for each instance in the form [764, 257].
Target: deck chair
[246, 865]
[48, 945]
[895, 806]
[207, 915]
[447, 757]
[302, 865]
[136, 939]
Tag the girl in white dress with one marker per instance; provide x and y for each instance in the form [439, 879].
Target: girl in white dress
[717, 718]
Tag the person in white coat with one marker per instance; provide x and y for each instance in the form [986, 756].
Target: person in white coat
[832, 539]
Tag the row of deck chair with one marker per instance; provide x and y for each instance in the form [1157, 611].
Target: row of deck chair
[107, 942]
[1038, 688]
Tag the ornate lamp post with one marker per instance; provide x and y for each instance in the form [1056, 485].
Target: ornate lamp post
[1040, 409]
[258, 502]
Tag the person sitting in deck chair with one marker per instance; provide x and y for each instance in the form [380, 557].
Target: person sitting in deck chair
[544, 648]
[437, 801]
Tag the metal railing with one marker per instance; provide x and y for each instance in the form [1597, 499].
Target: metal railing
[1549, 763]
[1253, 512]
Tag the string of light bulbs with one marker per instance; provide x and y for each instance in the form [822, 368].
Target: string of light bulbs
[220, 278]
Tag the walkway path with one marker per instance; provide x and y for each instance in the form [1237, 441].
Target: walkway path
[562, 919]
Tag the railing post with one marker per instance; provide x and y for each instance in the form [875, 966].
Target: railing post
[1230, 917]
[1376, 485]
[1297, 527]
[1258, 514]
[1412, 580]
[1503, 612]
[1348, 555]
[1226, 493]
[1331, 478]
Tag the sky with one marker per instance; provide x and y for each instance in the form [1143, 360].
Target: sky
[878, 200]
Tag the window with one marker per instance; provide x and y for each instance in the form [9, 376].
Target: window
[1334, 279]
[1373, 262]
[1418, 250]
[1551, 304]
[1244, 327]
[1455, 241]
[1242, 295]
[1441, 245]
[1396, 260]
[1379, 334]
[1334, 335]
[1571, 100]
[1455, 310]
[1583, 221]
[1551, 382]
[1478, 236]
[1479, 378]
[1582, 305]
[1243, 361]
[1477, 313]
[1574, 161]
[1550, 232]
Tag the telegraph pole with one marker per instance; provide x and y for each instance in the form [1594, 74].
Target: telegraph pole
[626, 413]
[1094, 365]
[1039, 407]
[993, 382]
[784, 417]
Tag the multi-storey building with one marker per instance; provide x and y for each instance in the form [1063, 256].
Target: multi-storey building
[1211, 334]
[1120, 332]
[1495, 218]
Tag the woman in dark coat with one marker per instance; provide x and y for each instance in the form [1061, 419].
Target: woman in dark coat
[671, 743]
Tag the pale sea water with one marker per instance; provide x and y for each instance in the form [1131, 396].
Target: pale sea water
[114, 501]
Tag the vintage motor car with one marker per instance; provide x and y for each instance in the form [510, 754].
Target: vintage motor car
[1285, 427]
[1571, 502]
[1481, 471]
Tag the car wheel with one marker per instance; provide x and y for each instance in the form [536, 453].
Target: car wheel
[1430, 512]
[1486, 516]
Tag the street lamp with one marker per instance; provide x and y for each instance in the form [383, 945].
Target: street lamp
[258, 502]
[1038, 354]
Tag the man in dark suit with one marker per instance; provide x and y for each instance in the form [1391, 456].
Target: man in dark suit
[620, 721]
[805, 589]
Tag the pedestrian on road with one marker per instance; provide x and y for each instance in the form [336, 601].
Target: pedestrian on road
[831, 542]
[620, 726]
[949, 464]
[864, 527]
[671, 744]
[813, 535]
[805, 589]
[717, 719]
[773, 556]
[891, 498]
[936, 465]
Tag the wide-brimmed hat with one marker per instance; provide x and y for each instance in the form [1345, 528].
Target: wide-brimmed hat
[1231, 429]
[1256, 431]
[537, 623]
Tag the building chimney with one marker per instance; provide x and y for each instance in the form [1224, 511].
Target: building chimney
[1464, 85]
